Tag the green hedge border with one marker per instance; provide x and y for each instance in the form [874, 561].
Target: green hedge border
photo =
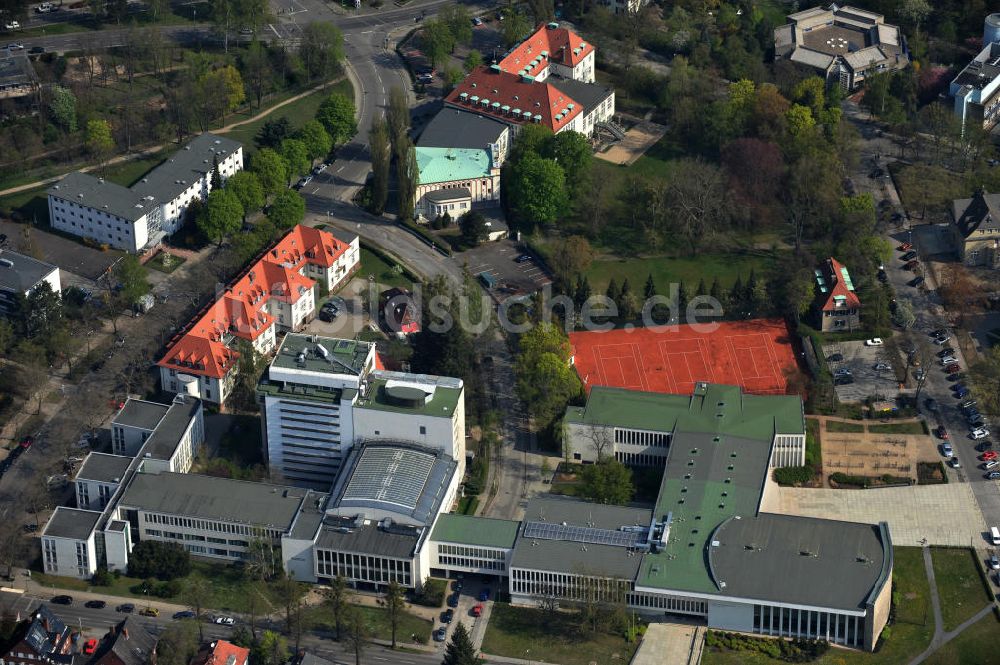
[427, 237]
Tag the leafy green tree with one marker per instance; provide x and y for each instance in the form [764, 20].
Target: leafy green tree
[607, 481]
[649, 290]
[297, 156]
[100, 143]
[321, 49]
[461, 650]
[271, 169]
[903, 315]
[437, 40]
[164, 561]
[287, 210]
[131, 274]
[178, 643]
[394, 602]
[216, 178]
[221, 216]
[272, 649]
[337, 114]
[545, 379]
[225, 87]
[531, 140]
[273, 132]
[459, 22]
[62, 106]
[246, 187]
[571, 151]
[515, 27]
[381, 157]
[406, 182]
[473, 226]
[316, 139]
[537, 191]
[473, 60]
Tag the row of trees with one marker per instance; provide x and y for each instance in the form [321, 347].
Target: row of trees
[389, 142]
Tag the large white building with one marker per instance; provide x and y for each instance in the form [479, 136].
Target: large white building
[20, 275]
[137, 218]
[320, 396]
[278, 292]
[976, 89]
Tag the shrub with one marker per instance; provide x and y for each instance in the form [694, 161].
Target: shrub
[433, 592]
[164, 561]
[793, 475]
[102, 578]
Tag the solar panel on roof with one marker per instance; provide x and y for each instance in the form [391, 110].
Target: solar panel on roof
[847, 279]
[583, 534]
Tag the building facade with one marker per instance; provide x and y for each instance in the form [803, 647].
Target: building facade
[451, 180]
[976, 89]
[20, 276]
[137, 218]
[975, 229]
[837, 305]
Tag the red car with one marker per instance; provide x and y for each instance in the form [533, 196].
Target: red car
[27, 441]
[942, 433]
[989, 455]
[905, 247]
[952, 368]
[477, 610]
[912, 265]
[90, 647]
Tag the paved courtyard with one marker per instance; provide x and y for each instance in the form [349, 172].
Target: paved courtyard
[943, 514]
[860, 360]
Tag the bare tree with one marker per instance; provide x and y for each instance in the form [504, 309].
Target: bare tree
[394, 603]
[602, 440]
[357, 634]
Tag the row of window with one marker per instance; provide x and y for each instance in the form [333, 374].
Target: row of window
[476, 564]
[205, 525]
[634, 437]
[477, 552]
[789, 622]
[640, 459]
[668, 603]
[156, 533]
[362, 567]
[570, 587]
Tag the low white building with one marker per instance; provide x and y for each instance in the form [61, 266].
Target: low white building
[20, 275]
[137, 218]
[976, 89]
[168, 435]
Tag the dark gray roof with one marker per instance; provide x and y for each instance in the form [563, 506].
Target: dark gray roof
[452, 128]
[557, 509]
[85, 189]
[187, 165]
[310, 516]
[24, 274]
[191, 495]
[980, 213]
[47, 634]
[16, 70]
[451, 194]
[590, 95]
[801, 560]
[103, 467]
[130, 642]
[141, 414]
[343, 236]
[71, 523]
[401, 478]
[349, 534]
[163, 442]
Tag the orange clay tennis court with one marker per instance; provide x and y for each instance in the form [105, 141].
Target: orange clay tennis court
[756, 355]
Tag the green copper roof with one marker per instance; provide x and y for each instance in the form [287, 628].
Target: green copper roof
[469, 530]
[450, 164]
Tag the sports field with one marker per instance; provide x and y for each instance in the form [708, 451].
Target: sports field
[756, 355]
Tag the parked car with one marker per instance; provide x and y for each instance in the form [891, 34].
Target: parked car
[938, 332]
[989, 455]
[955, 464]
[941, 432]
[961, 393]
[994, 562]
[905, 247]
[425, 78]
[328, 312]
[947, 450]
[89, 647]
[954, 367]
[843, 371]
[522, 258]
[992, 464]
[484, 594]
[453, 600]
[882, 277]
[62, 600]
[980, 433]
[45, 8]
[917, 281]
[909, 256]
[477, 611]
[984, 446]
[125, 608]
[947, 360]
[993, 475]
[874, 341]
[957, 376]
[447, 616]
[835, 357]
[15, 46]
[12, 25]
[225, 621]
[30, 528]
[184, 614]
[942, 339]
[882, 367]
[968, 404]
[476, 21]
[843, 380]
[441, 634]
[931, 404]
[912, 265]
[36, 50]
[95, 604]
[149, 612]
[919, 375]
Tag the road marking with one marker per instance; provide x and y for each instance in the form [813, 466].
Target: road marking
[315, 190]
[276, 33]
[340, 169]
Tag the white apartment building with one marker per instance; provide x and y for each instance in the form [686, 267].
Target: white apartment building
[169, 435]
[976, 89]
[136, 218]
[320, 396]
[20, 275]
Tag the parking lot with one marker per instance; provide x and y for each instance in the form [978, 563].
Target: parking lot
[499, 259]
[351, 318]
[860, 361]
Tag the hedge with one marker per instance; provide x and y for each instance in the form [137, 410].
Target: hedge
[794, 475]
[427, 237]
[391, 260]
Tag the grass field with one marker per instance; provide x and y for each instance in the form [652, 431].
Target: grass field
[909, 636]
[814, 450]
[298, 113]
[959, 584]
[689, 270]
[517, 631]
[372, 264]
[229, 591]
[978, 644]
[846, 428]
[898, 428]
[378, 622]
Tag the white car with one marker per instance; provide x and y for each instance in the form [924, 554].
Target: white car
[874, 341]
[12, 25]
[225, 621]
[947, 360]
[45, 7]
[14, 46]
[980, 433]
[995, 562]
[882, 367]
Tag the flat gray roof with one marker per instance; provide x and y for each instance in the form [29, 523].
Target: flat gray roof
[104, 468]
[454, 128]
[310, 515]
[187, 165]
[15, 70]
[223, 499]
[557, 509]
[85, 189]
[800, 560]
[24, 273]
[443, 195]
[163, 442]
[71, 523]
[337, 356]
[141, 414]
[398, 477]
[347, 534]
[590, 95]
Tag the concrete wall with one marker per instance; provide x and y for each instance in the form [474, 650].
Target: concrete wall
[117, 546]
[730, 616]
[297, 559]
[65, 563]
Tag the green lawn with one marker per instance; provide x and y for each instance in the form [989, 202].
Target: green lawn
[847, 428]
[668, 270]
[960, 586]
[909, 636]
[378, 623]
[899, 428]
[372, 264]
[814, 450]
[229, 590]
[520, 632]
[298, 113]
[156, 263]
[978, 644]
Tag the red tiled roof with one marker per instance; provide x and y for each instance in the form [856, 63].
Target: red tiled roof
[221, 652]
[836, 288]
[559, 44]
[500, 88]
[241, 311]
